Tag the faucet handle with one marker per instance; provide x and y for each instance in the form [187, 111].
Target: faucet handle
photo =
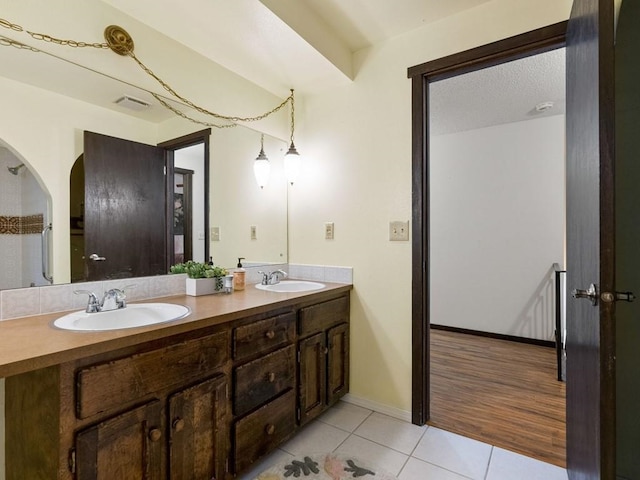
[265, 277]
[93, 305]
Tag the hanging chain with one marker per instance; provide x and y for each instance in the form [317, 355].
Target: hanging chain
[293, 114]
[168, 106]
[68, 43]
[7, 42]
[168, 88]
[76, 44]
[48, 38]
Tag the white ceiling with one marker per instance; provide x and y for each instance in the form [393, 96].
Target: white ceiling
[303, 44]
[502, 94]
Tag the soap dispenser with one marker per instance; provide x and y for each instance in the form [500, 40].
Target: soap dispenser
[239, 276]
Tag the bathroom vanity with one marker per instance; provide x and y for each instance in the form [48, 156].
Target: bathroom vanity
[200, 398]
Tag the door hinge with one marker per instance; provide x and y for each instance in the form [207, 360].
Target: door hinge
[298, 414]
[165, 170]
[298, 355]
[72, 461]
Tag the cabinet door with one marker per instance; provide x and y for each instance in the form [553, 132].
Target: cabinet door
[313, 379]
[197, 425]
[126, 447]
[337, 362]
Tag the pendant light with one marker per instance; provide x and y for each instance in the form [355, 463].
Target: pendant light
[261, 166]
[292, 160]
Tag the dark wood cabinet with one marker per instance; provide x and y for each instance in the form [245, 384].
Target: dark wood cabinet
[313, 376]
[323, 356]
[125, 446]
[197, 426]
[264, 402]
[201, 405]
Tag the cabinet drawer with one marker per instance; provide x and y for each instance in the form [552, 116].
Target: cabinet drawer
[262, 431]
[113, 384]
[323, 315]
[260, 380]
[263, 335]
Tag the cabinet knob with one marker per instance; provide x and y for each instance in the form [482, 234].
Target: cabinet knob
[178, 424]
[325, 350]
[271, 377]
[270, 334]
[155, 434]
[270, 429]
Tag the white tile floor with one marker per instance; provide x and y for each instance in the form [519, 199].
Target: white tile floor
[406, 450]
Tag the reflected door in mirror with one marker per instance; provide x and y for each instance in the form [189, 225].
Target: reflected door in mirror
[124, 208]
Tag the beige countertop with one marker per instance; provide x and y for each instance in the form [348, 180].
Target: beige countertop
[30, 343]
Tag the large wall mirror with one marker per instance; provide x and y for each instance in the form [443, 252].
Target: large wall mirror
[44, 128]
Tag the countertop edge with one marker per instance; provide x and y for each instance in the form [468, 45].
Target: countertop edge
[60, 346]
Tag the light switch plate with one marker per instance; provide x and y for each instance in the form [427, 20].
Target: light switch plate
[399, 231]
[254, 234]
[328, 231]
[215, 234]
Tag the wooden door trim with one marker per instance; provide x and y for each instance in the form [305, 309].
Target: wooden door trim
[170, 146]
[513, 48]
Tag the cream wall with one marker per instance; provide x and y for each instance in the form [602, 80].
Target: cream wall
[357, 142]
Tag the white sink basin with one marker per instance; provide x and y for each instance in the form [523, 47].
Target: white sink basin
[134, 315]
[292, 286]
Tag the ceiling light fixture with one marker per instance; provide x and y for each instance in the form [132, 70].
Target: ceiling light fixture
[292, 160]
[261, 166]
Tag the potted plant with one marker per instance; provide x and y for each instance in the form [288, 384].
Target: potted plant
[202, 278]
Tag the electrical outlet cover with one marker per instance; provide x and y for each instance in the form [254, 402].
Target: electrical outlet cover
[399, 231]
[328, 231]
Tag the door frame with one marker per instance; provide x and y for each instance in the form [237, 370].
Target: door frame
[520, 46]
[170, 146]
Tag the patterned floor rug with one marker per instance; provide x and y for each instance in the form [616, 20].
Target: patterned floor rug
[329, 466]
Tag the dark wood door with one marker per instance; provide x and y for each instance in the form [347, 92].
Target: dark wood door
[197, 425]
[590, 242]
[124, 209]
[127, 447]
[337, 362]
[313, 376]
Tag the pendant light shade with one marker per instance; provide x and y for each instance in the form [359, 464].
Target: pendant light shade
[292, 160]
[261, 166]
[292, 163]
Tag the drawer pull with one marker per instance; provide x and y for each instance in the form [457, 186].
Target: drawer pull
[270, 334]
[155, 434]
[270, 429]
[178, 424]
[271, 377]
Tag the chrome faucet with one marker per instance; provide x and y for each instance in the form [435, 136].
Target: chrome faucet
[272, 278]
[113, 299]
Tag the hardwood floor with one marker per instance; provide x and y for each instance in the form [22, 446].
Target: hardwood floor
[499, 392]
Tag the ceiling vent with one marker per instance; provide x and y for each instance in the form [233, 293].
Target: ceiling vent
[132, 103]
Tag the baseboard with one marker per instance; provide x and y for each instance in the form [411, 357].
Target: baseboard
[377, 407]
[499, 336]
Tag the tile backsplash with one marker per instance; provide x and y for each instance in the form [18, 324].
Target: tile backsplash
[24, 302]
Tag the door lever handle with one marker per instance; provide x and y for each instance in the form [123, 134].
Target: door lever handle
[96, 258]
[590, 293]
